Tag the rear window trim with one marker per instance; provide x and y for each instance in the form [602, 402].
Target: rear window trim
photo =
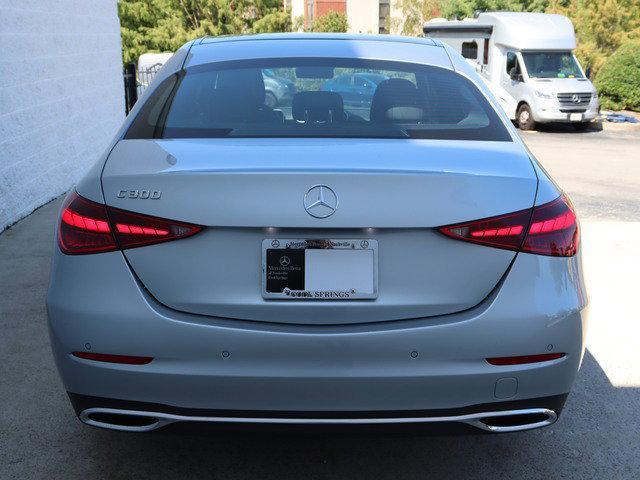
[162, 118]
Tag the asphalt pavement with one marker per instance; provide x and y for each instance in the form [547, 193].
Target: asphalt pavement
[596, 437]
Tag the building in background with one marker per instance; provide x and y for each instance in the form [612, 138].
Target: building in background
[363, 16]
[61, 97]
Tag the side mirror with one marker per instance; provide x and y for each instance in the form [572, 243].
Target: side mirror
[587, 72]
[514, 75]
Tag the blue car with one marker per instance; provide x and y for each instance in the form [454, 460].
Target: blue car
[355, 88]
[277, 90]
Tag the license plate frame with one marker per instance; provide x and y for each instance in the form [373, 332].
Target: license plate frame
[297, 248]
[575, 117]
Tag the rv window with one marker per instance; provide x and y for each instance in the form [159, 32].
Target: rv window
[512, 62]
[470, 50]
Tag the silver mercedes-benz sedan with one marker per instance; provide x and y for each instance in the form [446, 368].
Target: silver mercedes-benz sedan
[381, 253]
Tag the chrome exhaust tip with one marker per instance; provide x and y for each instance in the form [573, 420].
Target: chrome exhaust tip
[123, 420]
[494, 422]
[514, 420]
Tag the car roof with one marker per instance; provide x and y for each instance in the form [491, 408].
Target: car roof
[329, 45]
[317, 36]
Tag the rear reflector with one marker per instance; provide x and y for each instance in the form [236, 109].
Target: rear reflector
[550, 229]
[88, 227]
[105, 357]
[544, 357]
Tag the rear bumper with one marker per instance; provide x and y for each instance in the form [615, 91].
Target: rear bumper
[497, 417]
[423, 365]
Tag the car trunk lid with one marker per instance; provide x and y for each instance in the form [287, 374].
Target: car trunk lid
[246, 190]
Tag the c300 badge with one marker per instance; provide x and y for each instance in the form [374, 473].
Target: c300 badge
[140, 194]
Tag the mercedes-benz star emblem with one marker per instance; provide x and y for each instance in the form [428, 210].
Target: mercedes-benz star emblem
[575, 98]
[285, 261]
[320, 201]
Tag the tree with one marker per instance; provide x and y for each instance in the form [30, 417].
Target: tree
[330, 22]
[164, 25]
[414, 14]
[601, 26]
[466, 8]
[618, 81]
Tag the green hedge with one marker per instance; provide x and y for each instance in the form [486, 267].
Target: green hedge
[330, 22]
[618, 81]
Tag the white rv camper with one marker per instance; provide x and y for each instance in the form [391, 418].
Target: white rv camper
[527, 61]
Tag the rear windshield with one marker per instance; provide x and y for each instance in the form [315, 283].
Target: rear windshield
[319, 98]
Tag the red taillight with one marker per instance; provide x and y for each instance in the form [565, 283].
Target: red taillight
[135, 230]
[109, 358]
[521, 360]
[505, 231]
[554, 230]
[87, 227]
[84, 227]
[550, 229]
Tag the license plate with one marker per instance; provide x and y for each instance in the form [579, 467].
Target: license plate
[326, 269]
[575, 117]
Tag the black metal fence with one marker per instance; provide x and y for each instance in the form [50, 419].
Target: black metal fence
[136, 81]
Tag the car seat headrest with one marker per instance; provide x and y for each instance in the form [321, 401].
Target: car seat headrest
[317, 107]
[397, 99]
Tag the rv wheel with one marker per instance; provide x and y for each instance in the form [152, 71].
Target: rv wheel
[525, 118]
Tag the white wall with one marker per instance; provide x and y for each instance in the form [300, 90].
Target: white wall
[61, 96]
[397, 18]
[363, 16]
[297, 9]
